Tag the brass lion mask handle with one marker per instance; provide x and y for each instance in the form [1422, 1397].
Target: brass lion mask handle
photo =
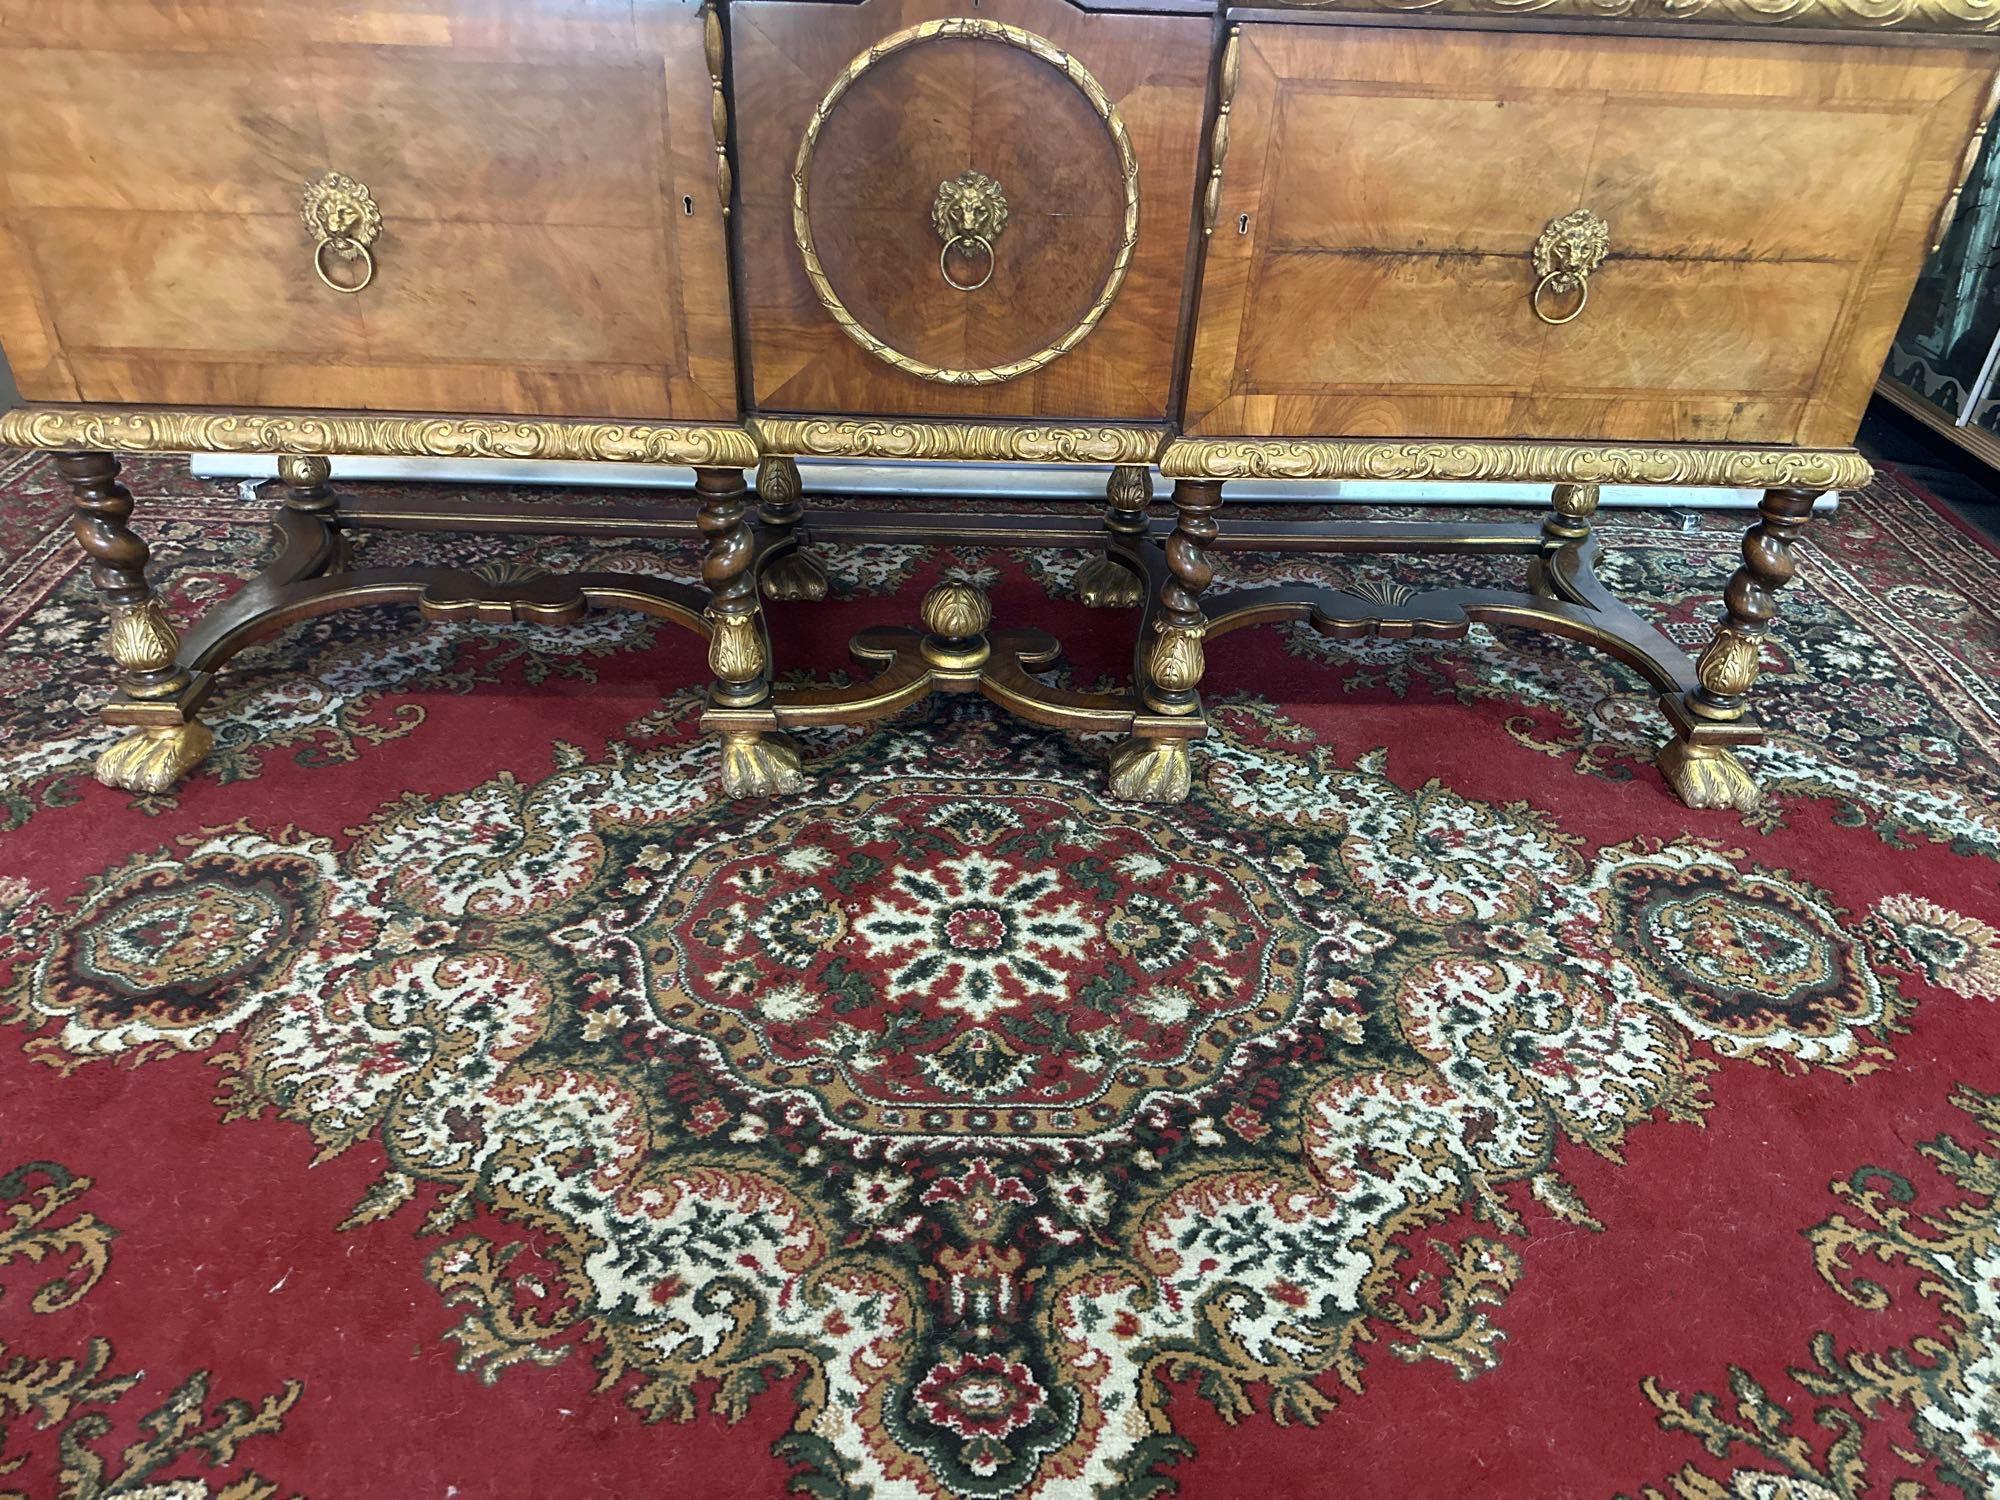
[1565, 255]
[968, 213]
[342, 220]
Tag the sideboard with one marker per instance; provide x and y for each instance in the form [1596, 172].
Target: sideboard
[1568, 242]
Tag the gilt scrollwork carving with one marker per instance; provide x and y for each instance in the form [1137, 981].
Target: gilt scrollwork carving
[1791, 15]
[1519, 462]
[140, 430]
[992, 442]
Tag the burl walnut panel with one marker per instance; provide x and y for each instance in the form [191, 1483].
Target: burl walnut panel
[1769, 206]
[907, 122]
[929, 113]
[553, 240]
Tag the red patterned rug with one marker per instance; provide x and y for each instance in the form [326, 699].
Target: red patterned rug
[445, 1094]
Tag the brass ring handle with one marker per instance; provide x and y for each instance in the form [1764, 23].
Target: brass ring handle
[944, 259]
[1581, 285]
[1565, 254]
[340, 215]
[970, 210]
[347, 249]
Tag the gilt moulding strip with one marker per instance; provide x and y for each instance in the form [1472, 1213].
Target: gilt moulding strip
[1519, 462]
[992, 442]
[1957, 17]
[118, 429]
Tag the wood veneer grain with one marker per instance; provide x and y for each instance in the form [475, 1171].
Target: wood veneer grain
[1769, 206]
[553, 241]
[951, 106]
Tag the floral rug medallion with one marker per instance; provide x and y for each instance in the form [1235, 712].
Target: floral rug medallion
[982, 1107]
[953, 1129]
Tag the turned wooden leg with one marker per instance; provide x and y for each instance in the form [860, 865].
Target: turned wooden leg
[1174, 664]
[1707, 775]
[1571, 507]
[307, 492]
[753, 764]
[140, 640]
[309, 524]
[781, 506]
[1103, 582]
[1154, 769]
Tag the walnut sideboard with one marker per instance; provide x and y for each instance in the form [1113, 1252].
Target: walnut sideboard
[1569, 242]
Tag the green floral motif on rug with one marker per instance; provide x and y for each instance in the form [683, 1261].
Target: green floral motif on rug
[974, 1104]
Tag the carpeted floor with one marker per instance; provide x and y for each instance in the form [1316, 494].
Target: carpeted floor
[446, 1095]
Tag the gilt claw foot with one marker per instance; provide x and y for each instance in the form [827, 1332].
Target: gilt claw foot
[1104, 584]
[152, 760]
[793, 578]
[1706, 776]
[1152, 770]
[760, 765]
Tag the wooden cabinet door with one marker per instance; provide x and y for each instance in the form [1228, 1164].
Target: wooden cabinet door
[552, 241]
[1768, 208]
[1079, 311]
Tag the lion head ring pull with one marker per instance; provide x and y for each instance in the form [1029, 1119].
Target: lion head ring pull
[968, 213]
[341, 217]
[1565, 255]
